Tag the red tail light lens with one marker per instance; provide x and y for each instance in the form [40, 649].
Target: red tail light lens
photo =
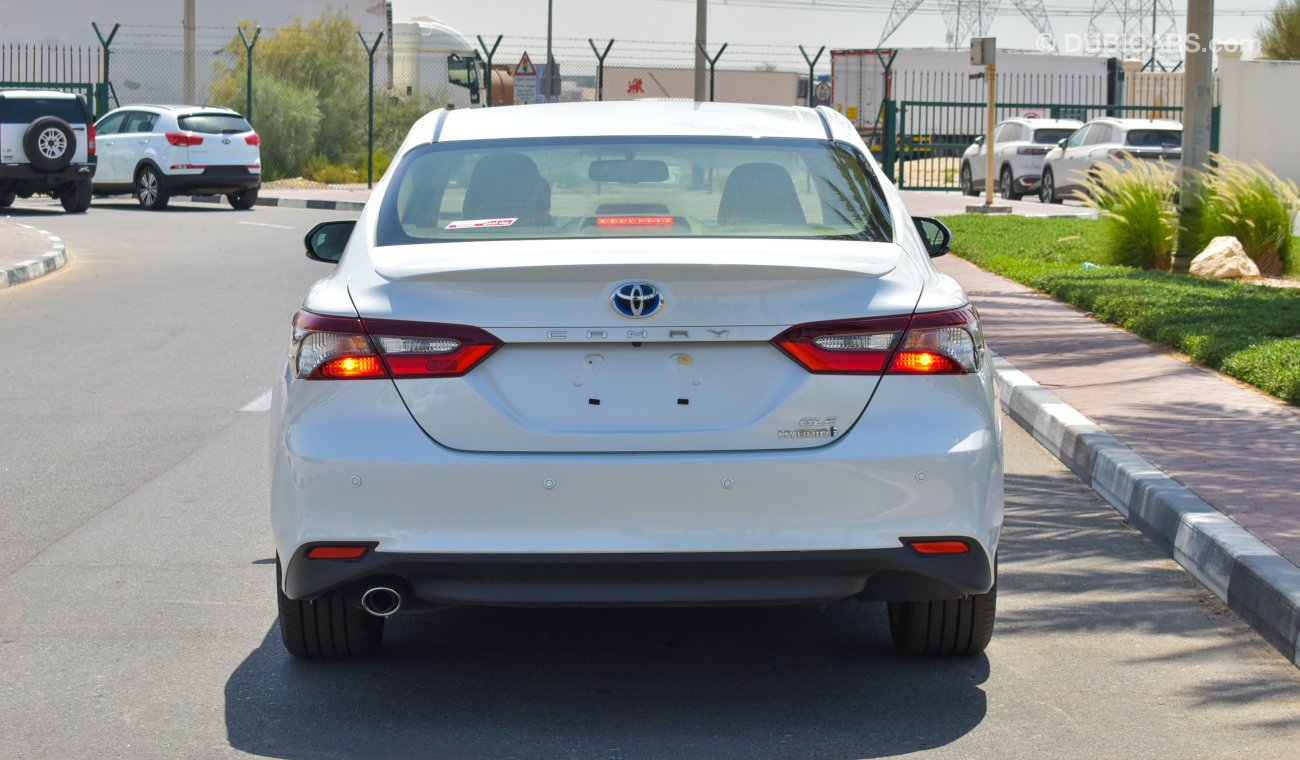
[253, 139]
[938, 343]
[345, 348]
[940, 547]
[184, 139]
[90, 139]
[337, 552]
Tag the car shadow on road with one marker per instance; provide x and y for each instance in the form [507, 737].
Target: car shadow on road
[685, 683]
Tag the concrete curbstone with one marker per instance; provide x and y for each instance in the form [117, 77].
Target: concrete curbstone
[53, 259]
[277, 202]
[1248, 575]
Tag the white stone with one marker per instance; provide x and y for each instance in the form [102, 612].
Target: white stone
[1224, 259]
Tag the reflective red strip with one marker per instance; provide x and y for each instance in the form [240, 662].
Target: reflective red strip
[940, 547]
[337, 552]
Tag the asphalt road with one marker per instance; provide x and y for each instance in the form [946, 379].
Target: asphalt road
[137, 616]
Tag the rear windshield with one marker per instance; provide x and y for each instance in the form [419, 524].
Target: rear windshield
[27, 110]
[637, 187]
[1051, 136]
[1155, 138]
[214, 123]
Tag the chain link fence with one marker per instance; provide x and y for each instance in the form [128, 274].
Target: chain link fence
[306, 87]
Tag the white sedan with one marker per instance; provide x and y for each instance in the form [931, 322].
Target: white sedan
[646, 353]
[1019, 146]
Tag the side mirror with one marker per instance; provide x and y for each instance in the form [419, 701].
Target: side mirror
[979, 139]
[1062, 143]
[327, 240]
[934, 233]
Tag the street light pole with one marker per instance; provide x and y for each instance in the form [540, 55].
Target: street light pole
[1198, 102]
[701, 38]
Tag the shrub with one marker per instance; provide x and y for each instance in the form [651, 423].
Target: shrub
[321, 169]
[1254, 205]
[1279, 37]
[1139, 219]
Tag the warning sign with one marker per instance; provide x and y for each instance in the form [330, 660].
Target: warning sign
[525, 81]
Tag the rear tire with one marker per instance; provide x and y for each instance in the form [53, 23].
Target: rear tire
[326, 628]
[7, 199]
[151, 189]
[1047, 189]
[76, 199]
[243, 200]
[1009, 185]
[944, 628]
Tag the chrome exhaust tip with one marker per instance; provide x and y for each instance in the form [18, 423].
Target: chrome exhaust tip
[381, 601]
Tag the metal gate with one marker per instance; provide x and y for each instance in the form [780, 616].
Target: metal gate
[929, 137]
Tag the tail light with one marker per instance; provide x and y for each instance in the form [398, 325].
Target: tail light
[184, 139]
[346, 348]
[90, 139]
[936, 343]
[253, 139]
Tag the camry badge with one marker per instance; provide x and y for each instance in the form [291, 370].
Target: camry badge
[637, 300]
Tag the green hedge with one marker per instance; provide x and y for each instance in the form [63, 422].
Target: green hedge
[1250, 332]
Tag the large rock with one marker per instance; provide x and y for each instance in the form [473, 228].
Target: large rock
[1224, 259]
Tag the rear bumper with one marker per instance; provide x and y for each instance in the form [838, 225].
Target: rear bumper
[350, 465]
[214, 180]
[23, 177]
[895, 574]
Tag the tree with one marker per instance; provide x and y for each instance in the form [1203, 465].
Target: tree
[309, 92]
[1279, 38]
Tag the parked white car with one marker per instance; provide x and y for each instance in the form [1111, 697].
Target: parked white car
[154, 152]
[47, 145]
[1019, 146]
[1108, 140]
[637, 353]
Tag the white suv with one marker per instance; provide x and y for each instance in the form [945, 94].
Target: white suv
[47, 145]
[154, 152]
[1067, 166]
[1018, 149]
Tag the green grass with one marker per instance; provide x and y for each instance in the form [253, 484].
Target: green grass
[1246, 331]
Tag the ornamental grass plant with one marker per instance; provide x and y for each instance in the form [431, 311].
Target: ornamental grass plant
[1139, 221]
[1254, 205]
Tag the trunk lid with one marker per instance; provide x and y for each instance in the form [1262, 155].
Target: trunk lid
[576, 374]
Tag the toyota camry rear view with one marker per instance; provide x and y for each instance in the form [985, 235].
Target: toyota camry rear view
[647, 353]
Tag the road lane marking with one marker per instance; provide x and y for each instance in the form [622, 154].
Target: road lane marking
[260, 404]
[264, 224]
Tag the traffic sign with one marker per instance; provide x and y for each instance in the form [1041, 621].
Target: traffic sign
[525, 81]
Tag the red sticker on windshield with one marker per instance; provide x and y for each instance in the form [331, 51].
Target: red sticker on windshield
[474, 224]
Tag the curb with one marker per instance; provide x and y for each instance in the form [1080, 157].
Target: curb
[26, 271]
[1256, 582]
[320, 205]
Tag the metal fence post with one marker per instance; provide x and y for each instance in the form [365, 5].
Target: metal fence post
[812, 65]
[890, 151]
[489, 54]
[101, 97]
[248, 84]
[712, 65]
[600, 67]
[370, 93]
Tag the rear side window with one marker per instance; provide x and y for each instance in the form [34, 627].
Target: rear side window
[1155, 138]
[1051, 136]
[214, 123]
[27, 110]
[639, 187]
